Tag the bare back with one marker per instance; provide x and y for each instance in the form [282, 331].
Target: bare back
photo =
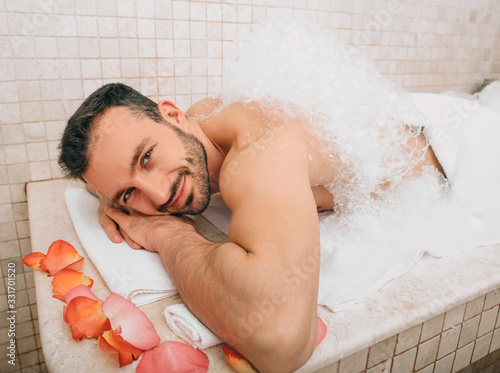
[239, 126]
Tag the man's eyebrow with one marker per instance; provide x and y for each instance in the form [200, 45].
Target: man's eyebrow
[137, 153]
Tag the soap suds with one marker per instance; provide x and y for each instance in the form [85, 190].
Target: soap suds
[383, 223]
[363, 117]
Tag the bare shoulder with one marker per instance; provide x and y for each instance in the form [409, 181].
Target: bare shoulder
[230, 126]
[204, 108]
[265, 162]
[214, 108]
[266, 186]
[265, 179]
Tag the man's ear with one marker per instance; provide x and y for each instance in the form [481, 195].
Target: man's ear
[171, 112]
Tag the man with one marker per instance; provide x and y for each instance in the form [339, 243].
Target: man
[157, 163]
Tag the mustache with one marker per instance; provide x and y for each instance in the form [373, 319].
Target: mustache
[173, 189]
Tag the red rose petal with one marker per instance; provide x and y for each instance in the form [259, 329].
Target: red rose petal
[66, 279]
[104, 346]
[33, 260]
[237, 361]
[112, 343]
[61, 254]
[172, 356]
[85, 318]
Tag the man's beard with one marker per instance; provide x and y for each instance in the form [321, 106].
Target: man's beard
[199, 198]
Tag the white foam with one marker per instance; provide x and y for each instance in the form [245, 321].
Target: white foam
[368, 240]
[348, 102]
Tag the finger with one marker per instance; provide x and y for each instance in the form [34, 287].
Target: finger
[110, 228]
[122, 219]
[134, 245]
[118, 216]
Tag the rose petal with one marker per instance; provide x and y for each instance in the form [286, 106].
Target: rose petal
[112, 343]
[80, 291]
[61, 254]
[85, 318]
[33, 260]
[172, 356]
[78, 264]
[104, 346]
[321, 331]
[130, 322]
[66, 279]
[238, 362]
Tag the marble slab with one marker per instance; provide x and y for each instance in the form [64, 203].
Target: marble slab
[432, 287]
[50, 221]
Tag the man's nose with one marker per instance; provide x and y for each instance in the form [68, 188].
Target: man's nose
[156, 188]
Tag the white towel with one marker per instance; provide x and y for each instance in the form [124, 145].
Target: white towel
[137, 275]
[186, 326]
[465, 138]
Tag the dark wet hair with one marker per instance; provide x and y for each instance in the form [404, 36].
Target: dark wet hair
[75, 143]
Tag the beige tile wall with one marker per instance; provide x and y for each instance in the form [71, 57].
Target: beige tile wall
[55, 52]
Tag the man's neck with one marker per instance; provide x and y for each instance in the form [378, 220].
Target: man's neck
[215, 157]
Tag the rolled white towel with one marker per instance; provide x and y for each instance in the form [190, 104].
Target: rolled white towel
[186, 326]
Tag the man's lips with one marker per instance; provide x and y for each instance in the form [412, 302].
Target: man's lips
[180, 196]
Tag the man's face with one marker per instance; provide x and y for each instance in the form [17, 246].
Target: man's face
[147, 166]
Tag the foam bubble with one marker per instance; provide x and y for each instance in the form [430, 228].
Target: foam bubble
[363, 117]
[384, 222]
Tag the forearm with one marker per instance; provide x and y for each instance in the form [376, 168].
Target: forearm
[249, 301]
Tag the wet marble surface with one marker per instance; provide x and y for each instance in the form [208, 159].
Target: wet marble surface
[432, 287]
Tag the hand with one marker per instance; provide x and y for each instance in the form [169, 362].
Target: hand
[144, 230]
[112, 229]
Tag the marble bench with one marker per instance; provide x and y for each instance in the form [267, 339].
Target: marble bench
[440, 317]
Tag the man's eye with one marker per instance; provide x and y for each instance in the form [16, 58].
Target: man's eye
[146, 157]
[127, 194]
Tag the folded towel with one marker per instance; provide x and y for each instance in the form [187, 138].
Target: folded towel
[137, 275]
[186, 326]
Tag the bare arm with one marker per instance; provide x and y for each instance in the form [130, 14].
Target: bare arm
[258, 292]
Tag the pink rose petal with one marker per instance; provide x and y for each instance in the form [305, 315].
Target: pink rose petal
[172, 356]
[130, 322]
[321, 331]
[79, 291]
